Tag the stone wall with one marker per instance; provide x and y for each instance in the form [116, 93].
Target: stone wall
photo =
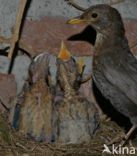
[45, 26]
[41, 8]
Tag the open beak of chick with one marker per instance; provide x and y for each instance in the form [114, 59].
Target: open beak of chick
[64, 54]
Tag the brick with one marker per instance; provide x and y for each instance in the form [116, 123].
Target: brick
[46, 35]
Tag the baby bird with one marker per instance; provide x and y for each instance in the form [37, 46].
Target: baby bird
[36, 109]
[75, 118]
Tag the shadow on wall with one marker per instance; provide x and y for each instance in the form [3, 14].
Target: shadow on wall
[88, 34]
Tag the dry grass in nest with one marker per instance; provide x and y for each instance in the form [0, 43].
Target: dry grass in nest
[20, 146]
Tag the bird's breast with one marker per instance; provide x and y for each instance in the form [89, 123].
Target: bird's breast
[101, 63]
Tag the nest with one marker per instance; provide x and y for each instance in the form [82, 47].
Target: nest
[14, 144]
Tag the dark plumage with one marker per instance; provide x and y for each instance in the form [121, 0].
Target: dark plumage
[114, 66]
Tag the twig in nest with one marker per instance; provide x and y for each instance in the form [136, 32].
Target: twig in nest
[70, 2]
[13, 148]
[33, 148]
[23, 147]
[17, 26]
[52, 148]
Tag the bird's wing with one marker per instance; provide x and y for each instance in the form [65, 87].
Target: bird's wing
[123, 76]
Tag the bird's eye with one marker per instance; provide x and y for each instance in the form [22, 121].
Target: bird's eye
[94, 15]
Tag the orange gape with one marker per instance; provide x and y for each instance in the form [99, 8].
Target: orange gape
[64, 54]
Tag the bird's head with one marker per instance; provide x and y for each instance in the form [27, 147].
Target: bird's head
[103, 18]
[40, 71]
[69, 71]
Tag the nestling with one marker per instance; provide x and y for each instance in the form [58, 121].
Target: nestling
[36, 109]
[75, 118]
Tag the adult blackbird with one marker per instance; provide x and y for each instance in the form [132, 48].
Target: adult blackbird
[114, 66]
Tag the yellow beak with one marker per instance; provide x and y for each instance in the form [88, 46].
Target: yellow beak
[76, 21]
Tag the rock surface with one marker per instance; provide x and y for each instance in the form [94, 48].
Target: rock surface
[7, 90]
